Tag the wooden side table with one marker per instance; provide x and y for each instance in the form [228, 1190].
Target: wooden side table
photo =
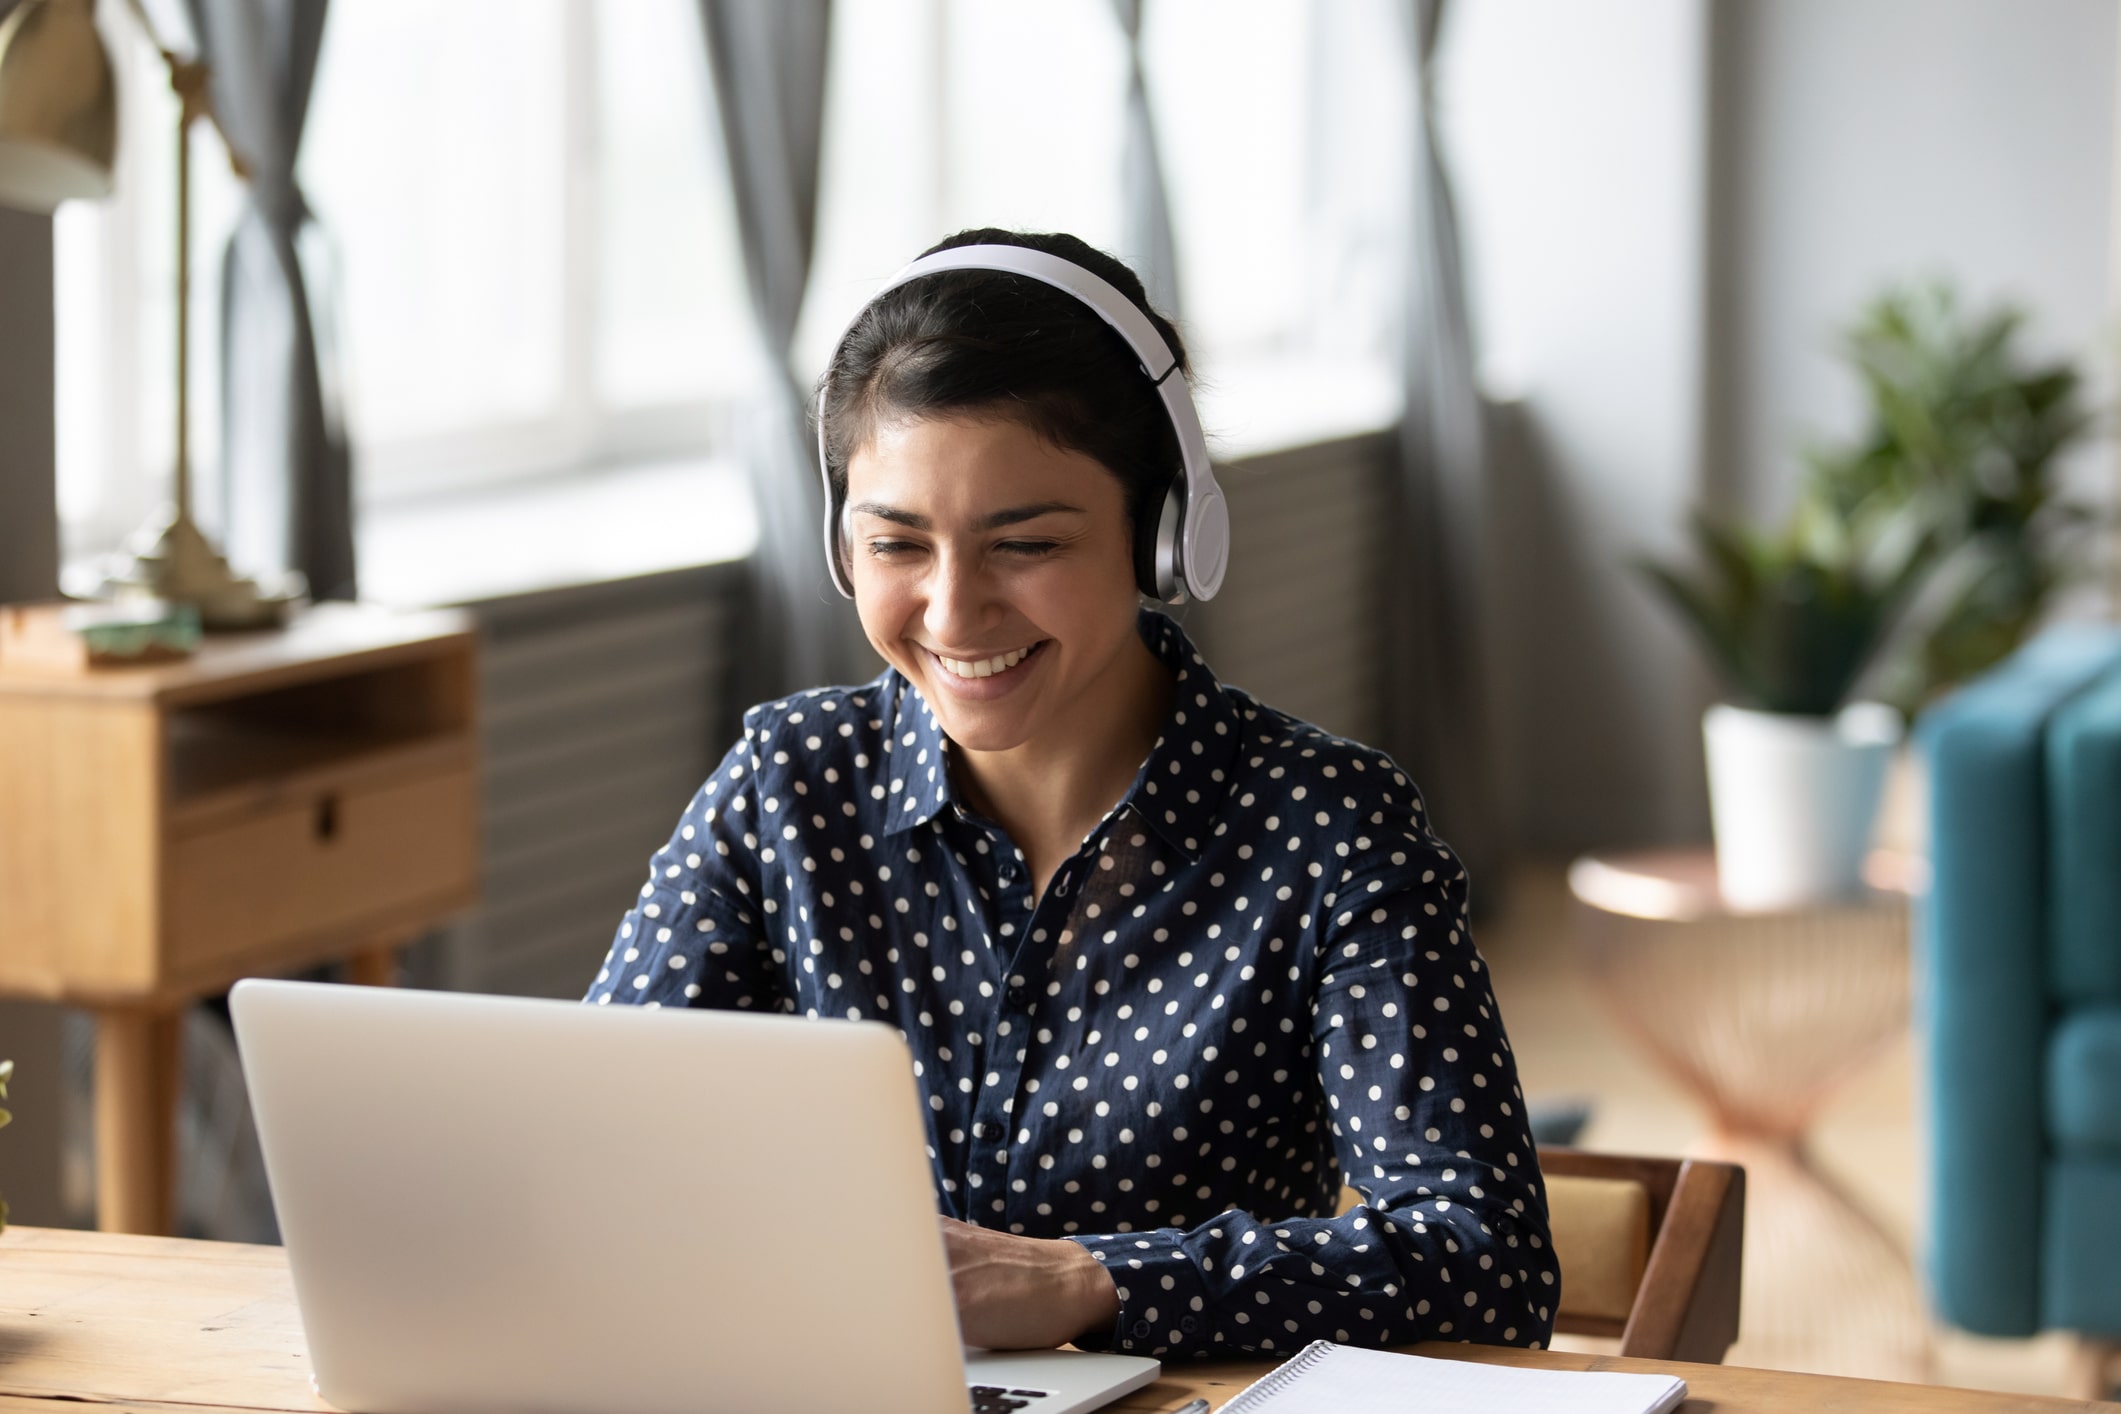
[1763, 1017]
[280, 800]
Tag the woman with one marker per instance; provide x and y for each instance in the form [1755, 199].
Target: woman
[1173, 965]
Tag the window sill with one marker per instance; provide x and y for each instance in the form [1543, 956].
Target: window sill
[626, 522]
[1265, 407]
[590, 527]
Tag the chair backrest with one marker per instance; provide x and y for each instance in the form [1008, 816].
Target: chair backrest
[1650, 1250]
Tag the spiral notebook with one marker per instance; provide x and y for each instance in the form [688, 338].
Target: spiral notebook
[1345, 1379]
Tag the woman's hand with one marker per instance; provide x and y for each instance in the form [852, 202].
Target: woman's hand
[1025, 1293]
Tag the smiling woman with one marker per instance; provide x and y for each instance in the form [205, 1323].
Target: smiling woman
[1173, 965]
[993, 570]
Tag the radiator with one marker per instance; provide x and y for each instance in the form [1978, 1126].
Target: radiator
[1295, 622]
[602, 709]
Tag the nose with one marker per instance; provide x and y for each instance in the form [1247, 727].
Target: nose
[961, 601]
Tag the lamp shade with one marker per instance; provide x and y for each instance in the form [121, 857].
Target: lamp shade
[58, 105]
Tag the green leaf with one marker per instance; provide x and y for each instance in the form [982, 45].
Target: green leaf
[1956, 467]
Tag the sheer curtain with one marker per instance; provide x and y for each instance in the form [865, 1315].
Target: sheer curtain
[769, 62]
[1146, 204]
[1436, 717]
[287, 473]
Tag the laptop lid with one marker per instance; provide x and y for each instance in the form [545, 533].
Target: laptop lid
[505, 1204]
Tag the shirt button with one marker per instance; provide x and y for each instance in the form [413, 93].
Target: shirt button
[1141, 1329]
[1189, 1324]
[1018, 998]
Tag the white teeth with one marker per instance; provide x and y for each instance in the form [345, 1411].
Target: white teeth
[984, 667]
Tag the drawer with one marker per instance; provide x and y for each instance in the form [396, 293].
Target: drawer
[321, 864]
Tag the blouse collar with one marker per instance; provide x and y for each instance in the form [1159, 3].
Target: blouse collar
[1177, 791]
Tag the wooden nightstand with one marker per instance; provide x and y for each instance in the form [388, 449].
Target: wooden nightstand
[282, 799]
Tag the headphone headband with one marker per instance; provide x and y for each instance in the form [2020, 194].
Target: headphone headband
[1193, 538]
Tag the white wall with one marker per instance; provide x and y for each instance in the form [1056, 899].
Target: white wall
[1670, 209]
[1868, 141]
[1576, 134]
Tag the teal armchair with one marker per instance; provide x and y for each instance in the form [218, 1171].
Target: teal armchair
[2019, 956]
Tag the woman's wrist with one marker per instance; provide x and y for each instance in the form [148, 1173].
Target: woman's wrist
[1095, 1299]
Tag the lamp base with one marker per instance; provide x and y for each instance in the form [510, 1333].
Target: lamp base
[180, 565]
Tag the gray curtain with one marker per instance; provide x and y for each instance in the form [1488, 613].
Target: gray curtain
[1437, 723]
[1146, 205]
[287, 483]
[768, 58]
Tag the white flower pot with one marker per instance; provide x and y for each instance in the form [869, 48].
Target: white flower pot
[1794, 800]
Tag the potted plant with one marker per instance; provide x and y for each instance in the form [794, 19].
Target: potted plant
[1913, 559]
[1967, 434]
[1792, 619]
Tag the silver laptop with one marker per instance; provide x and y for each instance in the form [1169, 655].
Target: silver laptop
[495, 1204]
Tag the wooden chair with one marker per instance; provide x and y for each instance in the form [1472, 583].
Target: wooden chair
[1650, 1250]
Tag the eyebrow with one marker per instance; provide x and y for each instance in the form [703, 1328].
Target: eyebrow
[1014, 515]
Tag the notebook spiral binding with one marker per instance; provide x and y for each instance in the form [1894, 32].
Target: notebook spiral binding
[1261, 1395]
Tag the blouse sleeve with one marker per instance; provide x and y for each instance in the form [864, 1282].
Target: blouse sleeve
[697, 934]
[1427, 1122]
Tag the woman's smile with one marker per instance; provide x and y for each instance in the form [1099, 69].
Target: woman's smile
[975, 674]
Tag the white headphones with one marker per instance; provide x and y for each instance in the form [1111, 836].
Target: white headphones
[1191, 546]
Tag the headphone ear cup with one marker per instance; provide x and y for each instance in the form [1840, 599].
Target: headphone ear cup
[839, 562]
[843, 547]
[1156, 549]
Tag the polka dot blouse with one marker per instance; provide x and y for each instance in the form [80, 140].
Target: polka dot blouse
[1252, 983]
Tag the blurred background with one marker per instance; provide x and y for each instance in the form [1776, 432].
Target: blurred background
[1487, 300]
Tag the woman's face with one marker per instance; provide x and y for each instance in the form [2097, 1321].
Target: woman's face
[995, 571]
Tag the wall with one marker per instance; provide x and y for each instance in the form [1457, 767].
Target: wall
[1867, 141]
[29, 569]
[1577, 137]
[29, 542]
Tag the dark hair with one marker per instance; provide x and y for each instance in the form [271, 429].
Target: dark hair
[986, 343]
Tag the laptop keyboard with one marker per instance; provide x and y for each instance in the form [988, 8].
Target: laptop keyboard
[993, 1399]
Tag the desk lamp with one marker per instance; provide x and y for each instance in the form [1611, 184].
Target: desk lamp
[58, 140]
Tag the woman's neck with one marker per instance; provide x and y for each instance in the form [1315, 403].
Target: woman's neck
[1050, 793]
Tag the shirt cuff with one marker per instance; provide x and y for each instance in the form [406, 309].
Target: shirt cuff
[1162, 1300]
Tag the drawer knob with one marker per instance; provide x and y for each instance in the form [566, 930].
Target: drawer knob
[327, 822]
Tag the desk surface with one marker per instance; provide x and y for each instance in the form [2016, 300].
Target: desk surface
[166, 1326]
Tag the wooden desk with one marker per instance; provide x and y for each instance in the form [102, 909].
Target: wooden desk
[282, 799]
[166, 1325]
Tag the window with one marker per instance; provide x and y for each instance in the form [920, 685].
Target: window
[530, 241]
[1283, 134]
[540, 269]
[527, 243]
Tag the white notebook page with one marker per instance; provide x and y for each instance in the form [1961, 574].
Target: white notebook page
[1344, 1379]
